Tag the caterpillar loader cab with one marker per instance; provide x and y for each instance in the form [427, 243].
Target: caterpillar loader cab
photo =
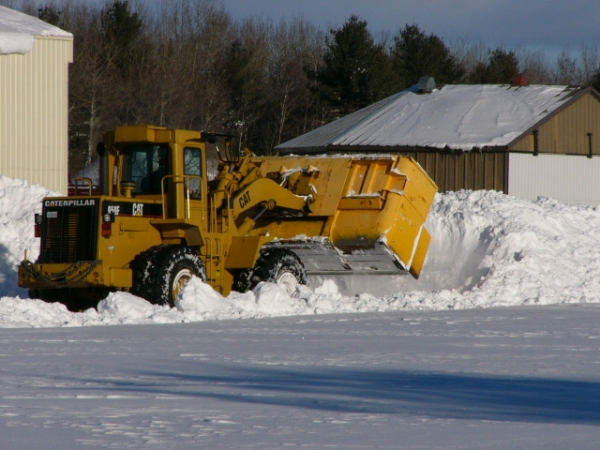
[159, 220]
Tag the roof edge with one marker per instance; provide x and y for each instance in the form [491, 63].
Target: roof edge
[575, 96]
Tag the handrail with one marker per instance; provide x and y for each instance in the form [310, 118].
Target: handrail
[186, 180]
[87, 180]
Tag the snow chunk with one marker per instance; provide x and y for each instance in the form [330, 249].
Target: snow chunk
[19, 313]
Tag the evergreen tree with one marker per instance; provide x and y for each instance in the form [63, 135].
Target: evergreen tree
[49, 13]
[596, 81]
[356, 72]
[121, 29]
[502, 68]
[244, 79]
[416, 54]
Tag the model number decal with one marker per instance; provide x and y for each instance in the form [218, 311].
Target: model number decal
[133, 209]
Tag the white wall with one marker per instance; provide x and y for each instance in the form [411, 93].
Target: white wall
[570, 179]
[34, 113]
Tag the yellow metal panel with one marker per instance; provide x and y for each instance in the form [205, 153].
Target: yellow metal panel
[133, 224]
[355, 228]
[244, 251]
[400, 224]
[361, 203]
[288, 229]
[121, 277]
[328, 184]
[420, 253]
[421, 189]
[355, 179]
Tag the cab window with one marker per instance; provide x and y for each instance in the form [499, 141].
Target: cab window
[145, 165]
[192, 165]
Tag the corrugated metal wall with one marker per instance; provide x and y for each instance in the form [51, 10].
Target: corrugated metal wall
[34, 113]
[568, 131]
[567, 178]
[453, 171]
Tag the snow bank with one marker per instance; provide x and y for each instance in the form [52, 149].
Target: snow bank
[19, 201]
[488, 250]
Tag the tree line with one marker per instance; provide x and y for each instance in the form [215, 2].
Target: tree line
[189, 64]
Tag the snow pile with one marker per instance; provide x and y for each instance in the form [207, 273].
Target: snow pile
[488, 250]
[18, 31]
[19, 201]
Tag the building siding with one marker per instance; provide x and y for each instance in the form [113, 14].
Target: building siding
[34, 113]
[567, 178]
[465, 170]
[567, 131]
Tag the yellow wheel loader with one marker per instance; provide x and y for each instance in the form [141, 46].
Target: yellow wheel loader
[159, 220]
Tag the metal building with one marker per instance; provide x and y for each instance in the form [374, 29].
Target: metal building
[524, 140]
[34, 60]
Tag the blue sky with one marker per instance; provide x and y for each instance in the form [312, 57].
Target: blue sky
[549, 25]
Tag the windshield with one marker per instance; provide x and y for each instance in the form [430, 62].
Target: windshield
[145, 165]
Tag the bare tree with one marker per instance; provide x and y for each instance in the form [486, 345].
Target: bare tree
[534, 65]
[468, 53]
[589, 63]
[565, 70]
[188, 64]
[183, 86]
[295, 46]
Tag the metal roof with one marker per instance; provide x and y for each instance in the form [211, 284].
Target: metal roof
[18, 31]
[460, 117]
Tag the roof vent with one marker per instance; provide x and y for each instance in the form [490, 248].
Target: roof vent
[520, 80]
[426, 85]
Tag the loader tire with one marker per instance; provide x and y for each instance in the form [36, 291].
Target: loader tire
[162, 272]
[141, 267]
[276, 265]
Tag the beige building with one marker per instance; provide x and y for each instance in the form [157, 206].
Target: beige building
[34, 62]
[524, 140]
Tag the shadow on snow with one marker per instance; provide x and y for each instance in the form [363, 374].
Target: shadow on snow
[436, 395]
[9, 276]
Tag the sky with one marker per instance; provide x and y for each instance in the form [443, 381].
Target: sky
[552, 26]
[549, 25]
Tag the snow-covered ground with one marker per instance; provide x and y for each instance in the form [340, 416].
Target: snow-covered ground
[434, 364]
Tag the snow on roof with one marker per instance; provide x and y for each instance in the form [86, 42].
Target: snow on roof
[460, 117]
[18, 31]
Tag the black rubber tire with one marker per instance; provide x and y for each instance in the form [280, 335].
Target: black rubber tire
[141, 267]
[271, 266]
[160, 273]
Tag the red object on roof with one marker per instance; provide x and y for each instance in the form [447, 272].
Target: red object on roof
[520, 80]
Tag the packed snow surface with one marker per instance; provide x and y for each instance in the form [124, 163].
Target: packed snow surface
[488, 250]
[18, 31]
